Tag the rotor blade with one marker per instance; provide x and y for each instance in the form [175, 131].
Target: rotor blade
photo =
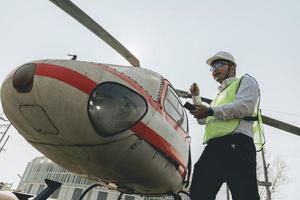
[281, 125]
[266, 120]
[70, 8]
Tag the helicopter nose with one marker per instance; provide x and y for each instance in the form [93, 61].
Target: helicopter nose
[114, 108]
[23, 78]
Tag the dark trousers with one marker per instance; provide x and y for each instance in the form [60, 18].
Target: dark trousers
[230, 159]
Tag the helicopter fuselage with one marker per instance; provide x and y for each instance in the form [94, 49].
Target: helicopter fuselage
[109, 123]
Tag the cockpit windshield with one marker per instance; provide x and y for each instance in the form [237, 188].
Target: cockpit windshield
[114, 108]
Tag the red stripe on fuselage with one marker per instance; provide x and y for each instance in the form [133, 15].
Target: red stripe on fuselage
[157, 141]
[133, 84]
[86, 85]
[156, 105]
[66, 75]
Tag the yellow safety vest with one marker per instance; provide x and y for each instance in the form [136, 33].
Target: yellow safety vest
[217, 128]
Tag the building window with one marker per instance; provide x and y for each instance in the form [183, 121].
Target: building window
[73, 178]
[29, 189]
[127, 197]
[114, 108]
[41, 187]
[68, 178]
[175, 109]
[77, 180]
[55, 194]
[102, 195]
[76, 194]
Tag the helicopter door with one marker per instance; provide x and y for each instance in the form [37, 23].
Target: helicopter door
[174, 108]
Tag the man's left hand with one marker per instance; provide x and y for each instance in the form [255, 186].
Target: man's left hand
[200, 112]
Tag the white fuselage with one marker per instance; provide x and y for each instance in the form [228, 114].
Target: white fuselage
[149, 157]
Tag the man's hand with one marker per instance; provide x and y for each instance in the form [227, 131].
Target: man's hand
[194, 89]
[200, 112]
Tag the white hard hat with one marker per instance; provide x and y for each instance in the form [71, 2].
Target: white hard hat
[221, 55]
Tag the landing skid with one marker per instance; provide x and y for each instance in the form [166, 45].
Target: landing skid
[87, 190]
[178, 197]
[120, 196]
[53, 185]
[175, 196]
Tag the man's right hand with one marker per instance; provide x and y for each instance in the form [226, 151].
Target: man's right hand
[194, 89]
[200, 112]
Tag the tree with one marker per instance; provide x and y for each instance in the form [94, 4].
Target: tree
[276, 175]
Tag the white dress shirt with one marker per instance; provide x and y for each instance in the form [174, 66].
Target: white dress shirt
[244, 104]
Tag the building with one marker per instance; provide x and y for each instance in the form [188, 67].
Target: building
[73, 185]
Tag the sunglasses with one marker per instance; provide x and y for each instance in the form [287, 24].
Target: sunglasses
[218, 65]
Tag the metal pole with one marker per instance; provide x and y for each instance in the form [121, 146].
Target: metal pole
[268, 192]
[2, 148]
[8, 126]
[2, 137]
[5, 132]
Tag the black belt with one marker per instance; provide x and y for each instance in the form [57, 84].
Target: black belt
[234, 138]
[250, 118]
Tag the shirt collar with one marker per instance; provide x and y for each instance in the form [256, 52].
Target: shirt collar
[226, 82]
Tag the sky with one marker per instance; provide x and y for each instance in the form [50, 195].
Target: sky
[173, 38]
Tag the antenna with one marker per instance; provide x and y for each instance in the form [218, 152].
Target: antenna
[74, 57]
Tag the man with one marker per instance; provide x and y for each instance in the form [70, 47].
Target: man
[229, 155]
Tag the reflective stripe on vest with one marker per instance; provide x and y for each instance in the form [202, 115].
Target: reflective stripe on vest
[258, 129]
[217, 128]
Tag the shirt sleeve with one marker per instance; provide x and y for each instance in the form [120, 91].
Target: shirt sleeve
[244, 104]
[197, 101]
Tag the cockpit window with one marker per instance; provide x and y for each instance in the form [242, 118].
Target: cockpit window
[173, 107]
[114, 108]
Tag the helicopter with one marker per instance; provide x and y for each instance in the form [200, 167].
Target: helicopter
[5, 195]
[121, 126]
